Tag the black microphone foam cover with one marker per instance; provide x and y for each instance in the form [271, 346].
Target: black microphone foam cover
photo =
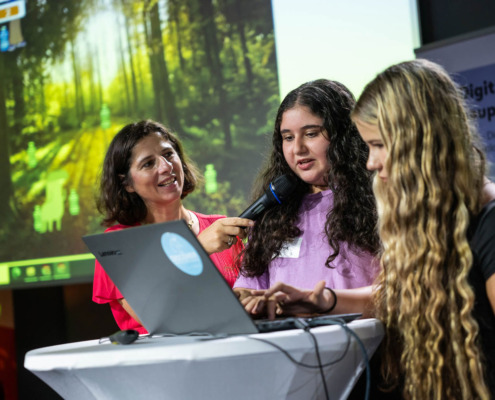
[275, 194]
[283, 186]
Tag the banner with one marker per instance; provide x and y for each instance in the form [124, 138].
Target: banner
[471, 62]
[479, 88]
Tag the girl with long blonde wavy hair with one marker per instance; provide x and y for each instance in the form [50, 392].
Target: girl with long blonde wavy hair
[435, 292]
[429, 189]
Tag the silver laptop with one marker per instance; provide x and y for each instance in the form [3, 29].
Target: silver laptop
[173, 286]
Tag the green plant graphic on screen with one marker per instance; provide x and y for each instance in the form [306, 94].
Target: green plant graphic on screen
[74, 202]
[105, 116]
[31, 152]
[52, 210]
[210, 179]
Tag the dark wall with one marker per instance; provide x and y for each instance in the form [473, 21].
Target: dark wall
[445, 19]
[50, 316]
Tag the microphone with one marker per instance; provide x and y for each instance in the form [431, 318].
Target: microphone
[275, 194]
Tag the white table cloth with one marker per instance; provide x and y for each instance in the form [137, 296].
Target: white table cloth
[237, 367]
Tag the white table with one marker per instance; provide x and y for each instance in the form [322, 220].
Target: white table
[237, 367]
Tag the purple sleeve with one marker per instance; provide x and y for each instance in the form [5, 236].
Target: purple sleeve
[258, 282]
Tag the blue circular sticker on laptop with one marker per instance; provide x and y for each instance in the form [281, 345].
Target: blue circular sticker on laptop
[182, 254]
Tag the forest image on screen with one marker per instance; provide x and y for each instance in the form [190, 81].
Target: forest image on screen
[204, 68]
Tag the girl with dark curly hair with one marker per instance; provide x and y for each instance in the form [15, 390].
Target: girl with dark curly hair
[146, 174]
[326, 229]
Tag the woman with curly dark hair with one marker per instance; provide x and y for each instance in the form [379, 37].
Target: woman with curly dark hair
[326, 229]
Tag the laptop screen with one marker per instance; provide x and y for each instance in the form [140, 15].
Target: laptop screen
[169, 280]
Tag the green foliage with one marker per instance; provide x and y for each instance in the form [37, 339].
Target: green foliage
[217, 59]
[223, 202]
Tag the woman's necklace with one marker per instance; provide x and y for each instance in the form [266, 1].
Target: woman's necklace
[190, 223]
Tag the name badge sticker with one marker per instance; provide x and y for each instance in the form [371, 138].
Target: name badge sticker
[291, 249]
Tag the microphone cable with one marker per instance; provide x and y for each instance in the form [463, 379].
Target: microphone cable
[320, 366]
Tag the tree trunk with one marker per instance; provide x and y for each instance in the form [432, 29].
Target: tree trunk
[171, 114]
[123, 69]
[140, 79]
[17, 93]
[174, 11]
[7, 192]
[153, 69]
[135, 98]
[79, 111]
[41, 90]
[247, 61]
[213, 60]
[194, 39]
[99, 83]
[93, 102]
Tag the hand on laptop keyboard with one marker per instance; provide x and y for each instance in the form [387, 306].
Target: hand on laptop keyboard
[282, 299]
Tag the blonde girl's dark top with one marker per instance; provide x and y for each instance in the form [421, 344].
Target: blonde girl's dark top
[482, 242]
[482, 233]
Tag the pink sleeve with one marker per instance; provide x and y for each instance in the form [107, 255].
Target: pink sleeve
[104, 289]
